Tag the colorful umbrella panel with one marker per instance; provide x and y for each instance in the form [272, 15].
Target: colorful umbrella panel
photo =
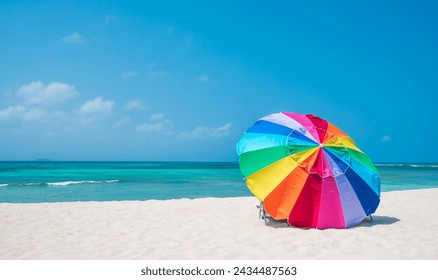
[307, 171]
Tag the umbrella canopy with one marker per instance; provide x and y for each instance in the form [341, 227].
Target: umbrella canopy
[307, 171]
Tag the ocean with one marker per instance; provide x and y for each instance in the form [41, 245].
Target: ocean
[30, 182]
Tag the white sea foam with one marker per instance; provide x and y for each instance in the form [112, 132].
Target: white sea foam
[424, 165]
[389, 164]
[32, 184]
[3, 185]
[406, 165]
[68, 183]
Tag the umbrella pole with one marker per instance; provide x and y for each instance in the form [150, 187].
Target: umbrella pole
[260, 209]
[262, 212]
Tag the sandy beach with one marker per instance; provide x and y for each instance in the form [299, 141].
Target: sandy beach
[405, 226]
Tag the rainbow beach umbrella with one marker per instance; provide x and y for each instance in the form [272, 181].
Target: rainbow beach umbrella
[304, 169]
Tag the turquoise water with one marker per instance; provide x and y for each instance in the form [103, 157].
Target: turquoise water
[408, 176]
[108, 181]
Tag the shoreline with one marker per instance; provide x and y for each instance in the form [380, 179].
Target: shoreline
[404, 227]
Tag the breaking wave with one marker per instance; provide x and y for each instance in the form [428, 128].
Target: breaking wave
[406, 165]
[58, 184]
[68, 183]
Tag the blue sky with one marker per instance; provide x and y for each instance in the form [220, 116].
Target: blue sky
[182, 80]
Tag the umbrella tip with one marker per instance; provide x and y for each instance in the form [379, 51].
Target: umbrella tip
[321, 145]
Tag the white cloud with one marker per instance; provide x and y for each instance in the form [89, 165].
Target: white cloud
[164, 126]
[385, 138]
[157, 74]
[157, 123]
[129, 74]
[96, 106]
[202, 132]
[36, 93]
[74, 38]
[22, 113]
[156, 117]
[202, 78]
[109, 18]
[29, 114]
[11, 112]
[35, 99]
[122, 122]
[134, 105]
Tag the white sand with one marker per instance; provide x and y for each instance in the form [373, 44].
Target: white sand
[405, 226]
